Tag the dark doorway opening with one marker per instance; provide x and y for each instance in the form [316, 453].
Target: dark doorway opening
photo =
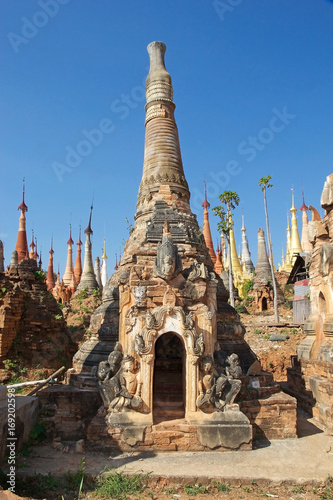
[169, 379]
[264, 304]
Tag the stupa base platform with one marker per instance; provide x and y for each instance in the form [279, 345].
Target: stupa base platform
[221, 431]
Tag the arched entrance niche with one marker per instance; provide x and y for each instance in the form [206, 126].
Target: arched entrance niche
[264, 304]
[169, 378]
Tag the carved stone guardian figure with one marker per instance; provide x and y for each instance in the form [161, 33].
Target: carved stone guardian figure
[128, 390]
[167, 262]
[107, 370]
[219, 383]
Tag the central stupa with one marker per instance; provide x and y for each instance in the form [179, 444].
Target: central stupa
[166, 343]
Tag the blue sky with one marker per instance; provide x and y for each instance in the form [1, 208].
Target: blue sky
[253, 92]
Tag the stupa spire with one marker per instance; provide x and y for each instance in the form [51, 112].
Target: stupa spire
[21, 242]
[97, 270]
[78, 262]
[32, 246]
[206, 228]
[236, 266]
[295, 242]
[163, 175]
[246, 254]
[263, 268]
[218, 267]
[104, 266]
[68, 275]
[35, 255]
[50, 283]
[88, 279]
[306, 245]
[40, 262]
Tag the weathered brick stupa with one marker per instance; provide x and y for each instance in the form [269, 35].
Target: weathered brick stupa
[311, 376]
[165, 343]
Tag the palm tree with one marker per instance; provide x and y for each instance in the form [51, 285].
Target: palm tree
[265, 184]
[229, 201]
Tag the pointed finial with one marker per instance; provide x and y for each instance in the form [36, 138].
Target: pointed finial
[32, 244]
[104, 254]
[36, 251]
[79, 242]
[116, 266]
[23, 207]
[70, 240]
[243, 225]
[205, 204]
[303, 207]
[89, 230]
[51, 249]
[293, 209]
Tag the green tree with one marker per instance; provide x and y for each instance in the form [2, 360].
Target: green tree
[264, 183]
[229, 200]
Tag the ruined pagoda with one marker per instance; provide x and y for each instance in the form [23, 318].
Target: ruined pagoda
[165, 312]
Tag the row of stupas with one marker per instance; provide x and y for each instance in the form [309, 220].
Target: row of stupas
[91, 276]
[76, 278]
[242, 265]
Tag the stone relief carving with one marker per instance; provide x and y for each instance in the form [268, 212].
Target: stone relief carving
[154, 321]
[106, 372]
[219, 382]
[167, 262]
[198, 271]
[139, 294]
[130, 318]
[120, 384]
[199, 347]
[326, 254]
[128, 388]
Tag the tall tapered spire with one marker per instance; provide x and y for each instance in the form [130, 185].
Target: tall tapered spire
[305, 242]
[104, 266]
[224, 251]
[246, 254]
[295, 243]
[97, 270]
[206, 228]
[68, 275]
[88, 279]
[32, 245]
[236, 266]
[78, 262]
[50, 282]
[263, 268]
[163, 175]
[218, 267]
[35, 255]
[21, 242]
